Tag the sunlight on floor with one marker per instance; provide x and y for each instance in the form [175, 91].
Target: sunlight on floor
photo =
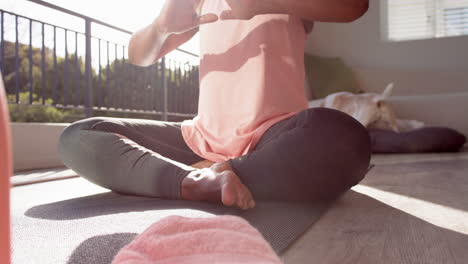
[439, 215]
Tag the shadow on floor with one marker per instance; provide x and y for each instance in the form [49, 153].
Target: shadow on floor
[100, 249]
[112, 203]
[439, 182]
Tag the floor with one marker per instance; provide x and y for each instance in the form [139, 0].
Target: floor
[409, 209]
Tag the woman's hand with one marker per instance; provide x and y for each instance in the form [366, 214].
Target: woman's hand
[179, 16]
[177, 23]
[240, 9]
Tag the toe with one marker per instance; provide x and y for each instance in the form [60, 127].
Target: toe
[241, 203]
[228, 196]
[250, 200]
[246, 204]
[241, 199]
[245, 196]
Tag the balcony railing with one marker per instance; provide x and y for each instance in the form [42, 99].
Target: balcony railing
[56, 75]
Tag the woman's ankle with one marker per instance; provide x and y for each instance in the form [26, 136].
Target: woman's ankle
[221, 166]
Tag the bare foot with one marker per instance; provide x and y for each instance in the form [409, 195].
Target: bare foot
[203, 164]
[216, 184]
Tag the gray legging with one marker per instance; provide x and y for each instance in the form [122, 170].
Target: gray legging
[314, 155]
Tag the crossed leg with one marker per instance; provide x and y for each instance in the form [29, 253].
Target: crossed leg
[148, 158]
[313, 156]
[316, 154]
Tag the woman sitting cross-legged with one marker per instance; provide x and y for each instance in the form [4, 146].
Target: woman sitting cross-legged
[254, 136]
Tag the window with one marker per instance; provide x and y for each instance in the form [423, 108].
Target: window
[420, 19]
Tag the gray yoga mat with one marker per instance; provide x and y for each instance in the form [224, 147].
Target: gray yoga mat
[74, 221]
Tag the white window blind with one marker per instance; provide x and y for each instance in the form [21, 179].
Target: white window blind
[419, 19]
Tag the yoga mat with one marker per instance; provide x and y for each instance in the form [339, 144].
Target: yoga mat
[74, 221]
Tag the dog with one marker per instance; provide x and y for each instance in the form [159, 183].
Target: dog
[370, 109]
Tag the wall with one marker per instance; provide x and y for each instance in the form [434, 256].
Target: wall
[35, 145]
[361, 46]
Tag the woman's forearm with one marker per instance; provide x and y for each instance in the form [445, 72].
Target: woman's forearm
[145, 45]
[316, 10]
[151, 43]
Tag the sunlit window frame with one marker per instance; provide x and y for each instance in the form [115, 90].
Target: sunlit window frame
[439, 29]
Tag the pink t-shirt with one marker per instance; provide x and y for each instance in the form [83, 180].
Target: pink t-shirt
[251, 77]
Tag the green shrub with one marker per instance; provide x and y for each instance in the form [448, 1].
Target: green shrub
[25, 112]
[38, 112]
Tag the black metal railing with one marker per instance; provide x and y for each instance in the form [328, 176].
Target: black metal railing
[56, 75]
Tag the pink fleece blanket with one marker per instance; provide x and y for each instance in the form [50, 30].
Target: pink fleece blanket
[181, 240]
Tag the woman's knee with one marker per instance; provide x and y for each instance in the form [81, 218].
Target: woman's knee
[340, 146]
[79, 149]
[68, 140]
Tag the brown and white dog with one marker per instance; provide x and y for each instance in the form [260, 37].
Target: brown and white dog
[370, 109]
